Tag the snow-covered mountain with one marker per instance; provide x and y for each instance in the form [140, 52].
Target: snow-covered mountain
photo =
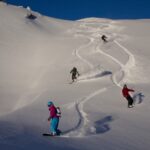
[36, 57]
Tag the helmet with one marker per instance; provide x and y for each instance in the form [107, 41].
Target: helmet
[49, 103]
[125, 85]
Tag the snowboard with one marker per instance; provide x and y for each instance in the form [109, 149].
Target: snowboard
[48, 134]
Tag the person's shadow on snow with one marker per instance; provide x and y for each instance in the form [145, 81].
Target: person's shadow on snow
[102, 125]
[138, 98]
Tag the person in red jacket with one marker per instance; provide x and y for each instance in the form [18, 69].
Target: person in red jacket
[125, 92]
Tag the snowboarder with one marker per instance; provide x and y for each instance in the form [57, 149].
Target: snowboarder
[74, 72]
[125, 92]
[30, 15]
[104, 38]
[54, 119]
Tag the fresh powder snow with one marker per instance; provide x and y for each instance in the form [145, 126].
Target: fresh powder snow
[36, 57]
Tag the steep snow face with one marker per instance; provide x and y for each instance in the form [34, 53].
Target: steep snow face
[27, 51]
[36, 57]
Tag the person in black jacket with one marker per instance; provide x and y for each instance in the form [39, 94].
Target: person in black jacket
[74, 73]
[104, 38]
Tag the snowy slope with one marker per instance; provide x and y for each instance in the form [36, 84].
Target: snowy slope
[36, 57]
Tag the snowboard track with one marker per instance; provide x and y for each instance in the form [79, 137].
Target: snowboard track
[80, 129]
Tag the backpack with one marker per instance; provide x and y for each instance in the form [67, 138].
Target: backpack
[58, 112]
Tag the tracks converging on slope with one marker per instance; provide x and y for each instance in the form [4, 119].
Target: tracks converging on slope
[92, 33]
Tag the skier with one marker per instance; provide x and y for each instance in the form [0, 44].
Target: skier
[53, 118]
[74, 72]
[125, 92]
[104, 38]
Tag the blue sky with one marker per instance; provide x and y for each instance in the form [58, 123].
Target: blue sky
[77, 9]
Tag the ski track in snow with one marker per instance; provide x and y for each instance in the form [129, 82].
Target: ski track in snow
[80, 129]
[124, 69]
[131, 61]
[80, 57]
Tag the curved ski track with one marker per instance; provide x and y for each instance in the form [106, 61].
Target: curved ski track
[80, 129]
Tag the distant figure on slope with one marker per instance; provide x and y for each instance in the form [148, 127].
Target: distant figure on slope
[29, 14]
[104, 38]
[74, 73]
[125, 92]
[54, 118]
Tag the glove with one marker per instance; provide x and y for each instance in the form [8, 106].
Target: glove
[49, 118]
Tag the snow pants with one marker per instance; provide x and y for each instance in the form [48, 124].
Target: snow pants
[130, 100]
[74, 76]
[54, 125]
